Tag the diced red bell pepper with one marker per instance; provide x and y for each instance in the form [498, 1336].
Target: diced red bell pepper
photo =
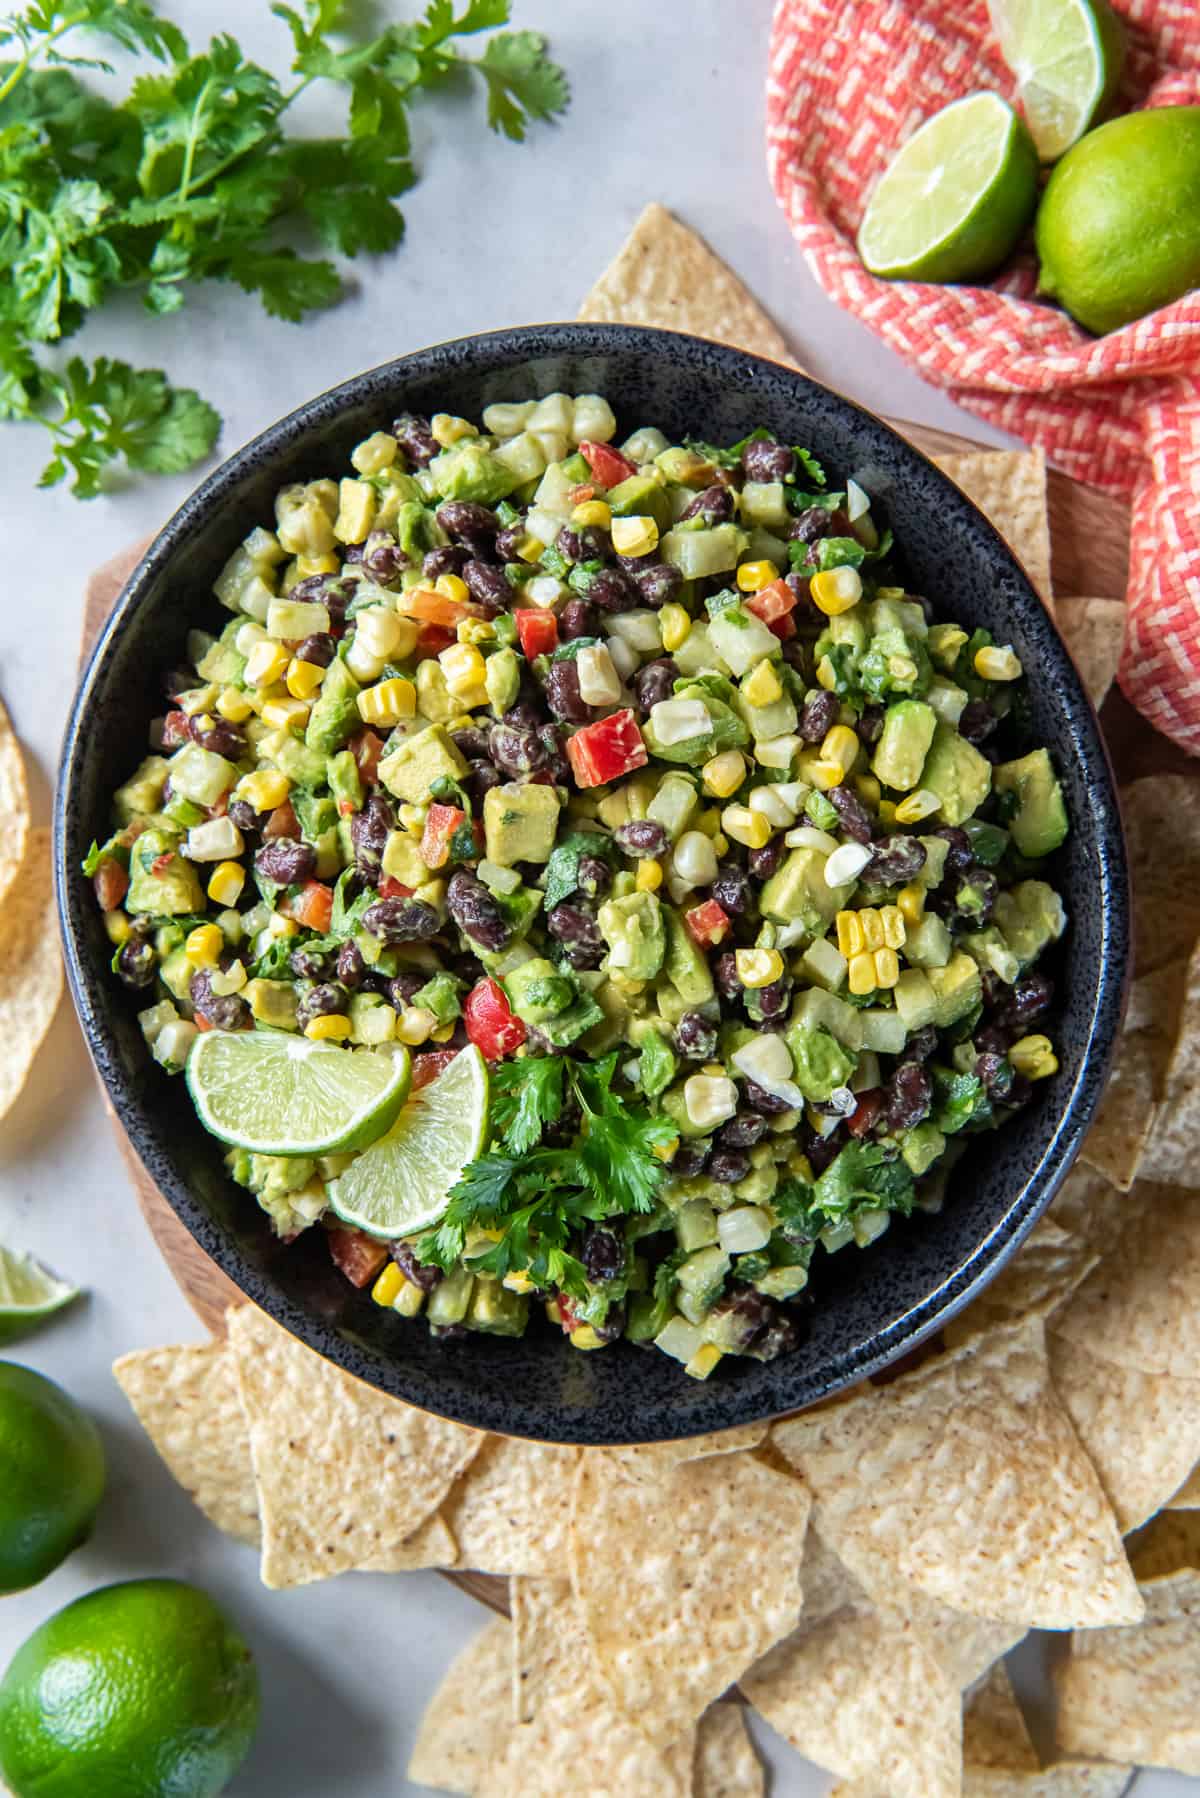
[608, 465]
[366, 748]
[772, 602]
[783, 627]
[111, 883]
[358, 1256]
[312, 906]
[606, 750]
[441, 822]
[426, 1068]
[491, 1024]
[431, 607]
[538, 631]
[432, 639]
[283, 822]
[579, 495]
[394, 889]
[707, 924]
[202, 1023]
[862, 1118]
[568, 1317]
[161, 863]
[175, 730]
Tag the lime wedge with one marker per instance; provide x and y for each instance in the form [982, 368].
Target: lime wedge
[277, 1094]
[29, 1293]
[403, 1182]
[955, 198]
[1067, 56]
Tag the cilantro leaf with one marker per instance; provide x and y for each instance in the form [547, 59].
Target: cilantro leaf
[562, 870]
[522, 82]
[861, 1177]
[527, 1096]
[110, 411]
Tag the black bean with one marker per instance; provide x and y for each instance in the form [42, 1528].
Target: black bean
[475, 912]
[766, 461]
[218, 736]
[469, 522]
[308, 964]
[977, 722]
[771, 1002]
[369, 830]
[603, 1254]
[870, 723]
[403, 989]
[509, 541]
[382, 557]
[319, 649]
[764, 862]
[416, 1271]
[742, 1131]
[975, 897]
[595, 875]
[818, 715]
[563, 695]
[224, 1011]
[908, 1097]
[401, 920]
[690, 1159]
[244, 816]
[1032, 995]
[960, 855]
[577, 619]
[696, 1037]
[515, 748]
[658, 584]
[137, 963]
[714, 505]
[728, 1166]
[351, 968]
[810, 525]
[732, 891]
[578, 932]
[726, 976]
[285, 861]
[328, 591]
[921, 1044]
[641, 838]
[745, 1316]
[447, 558]
[997, 1074]
[470, 741]
[852, 814]
[761, 1100]
[654, 682]
[995, 1037]
[779, 1338]
[581, 544]
[612, 591]
[895, 861]
[822, 1151]
[481, 777]
[488, 587]
[326, 1000]
[556, 768]
[415, 438]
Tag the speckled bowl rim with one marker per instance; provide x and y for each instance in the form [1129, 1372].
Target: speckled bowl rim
[796, 1382]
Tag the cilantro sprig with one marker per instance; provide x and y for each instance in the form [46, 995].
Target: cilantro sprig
[194, 177]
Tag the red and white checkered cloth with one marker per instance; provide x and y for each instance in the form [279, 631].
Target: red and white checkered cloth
[849, 80]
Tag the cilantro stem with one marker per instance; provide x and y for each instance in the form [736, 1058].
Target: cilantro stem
[22, 68]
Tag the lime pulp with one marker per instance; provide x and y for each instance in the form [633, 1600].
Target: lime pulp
[277, 1094]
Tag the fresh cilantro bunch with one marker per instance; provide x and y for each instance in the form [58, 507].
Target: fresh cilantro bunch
[540, 1197]
[194, 177]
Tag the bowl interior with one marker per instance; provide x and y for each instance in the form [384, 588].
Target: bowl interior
[870, 1305]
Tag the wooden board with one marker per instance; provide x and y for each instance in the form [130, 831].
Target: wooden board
[1090, 550]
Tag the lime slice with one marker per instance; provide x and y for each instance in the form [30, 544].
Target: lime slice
[1067, 56]
[29, 1293]
[955, 198]
[403, 1182]
[277, 1094]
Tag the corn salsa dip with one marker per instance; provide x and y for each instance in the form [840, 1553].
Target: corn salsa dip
[639, 770]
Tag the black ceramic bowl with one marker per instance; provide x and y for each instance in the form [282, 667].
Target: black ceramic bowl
[871, 1305]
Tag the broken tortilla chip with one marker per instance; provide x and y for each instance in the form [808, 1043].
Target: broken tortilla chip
[1046, 1268]
[1169, 1543]
[509, 1510]
[918, 1482]
[14, 804]
[31, 969]
[1188, 1496]
[1170, 1151]
[1162, 837]
[666, 276]
[1093, 630]
[1009, 487]
[727, 1765]
[995, 1733]
[717, 1544]
[1140, 1307]
[466, 1725]
[345, 1473]
[652, 1459]
[1125, 1116]
[1089, 1205]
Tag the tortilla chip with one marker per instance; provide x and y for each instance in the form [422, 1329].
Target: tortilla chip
[922, 1483]
[1140, 1308]
[1170, 1151]
[1141, 1431]
[31, 969]
[866, 1698]
[14, 804]
[1010, 487]
[509, 1510]
[652, 1459]
[566, 1720]
[1065, 1779]
[666, 276]
[189, 1404]
[1170, 1543]
[727, 1765]
[345, 1474]
[1162, 836]
[1114, 1144]
[1188, 1496]
[995, 1733]
[466, 1725]
[430, 1545]
[1134, 1694]
[1093, 630]
[716, 1546]
[1046, 1268]
[1089, 1205]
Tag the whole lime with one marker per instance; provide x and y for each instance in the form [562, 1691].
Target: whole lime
[1118, 229]
[53, 1477]
[142, 1690]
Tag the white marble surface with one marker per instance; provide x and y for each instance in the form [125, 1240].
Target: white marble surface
[668, 105]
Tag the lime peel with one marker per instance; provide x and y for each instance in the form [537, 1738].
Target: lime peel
[277, 1094]
[1067, 56]
[29, 1293]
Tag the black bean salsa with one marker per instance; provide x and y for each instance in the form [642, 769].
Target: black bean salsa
[635, 768]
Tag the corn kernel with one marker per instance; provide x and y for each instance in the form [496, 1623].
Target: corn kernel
[1001, 663]
[330, 1027]
[709, 822]
[553, 1312]
[887, 813]
[374, 453]
[825, 775]
[226, 883]
[850, 933]
[518, 1281]
[702, 1363]
[720, 843]
[233, 704]
[675, 626]
[649, 876]
[416, 1025]
[840, 746]
[585, 1337]
[266, 663]
[286, 714]
[530, 548]
[634, 536]
[837, 590]
[910, 902]
[892, 919]
[452, 586]
[902, 668]
[666, 1151]
[887, 968]
[944, 642]
[443, 1033]
[861, 975]
[826, 674]
[724, 773]
[763, 686]
[593, 511]
[447, 428]
[303, 678]
[386, 1289]
[915, 806]
[475, 630]
[204, 945]
[758, 967]
[388, 702]
[868, 789]
[746, 827]
[752, 577]
[264, 790]
[1034, 1057]
[872, 928]
[463, 666]
[118, 926]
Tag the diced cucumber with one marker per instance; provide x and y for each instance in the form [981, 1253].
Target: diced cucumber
[696, 1225]
[699, 554]
[884, 1031]
[701, 1279]
[450, 1299]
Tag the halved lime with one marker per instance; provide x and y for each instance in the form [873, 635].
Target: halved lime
[1067, 56]
[402, 1183]
[955, 198]
[29, 1293]
[277, 1094]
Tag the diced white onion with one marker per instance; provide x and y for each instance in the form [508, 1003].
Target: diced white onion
[544, 524]
[640, 628]
[867, 1225]
[743, 1229]
[807, 836]
[228, 980]
[695, 859]
[154, 1020]
[846, 864]
[362, 663]
[866, 1075]
[857, 502]
[544, 590]
[624, 657]
[173, 1043]
[501, 880]
[709, 1099]
[599, 682]
[675, 720]
[777, 752]
[553, 444]
[217, 840]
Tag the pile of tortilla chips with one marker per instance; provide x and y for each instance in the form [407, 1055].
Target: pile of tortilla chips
[31, 973]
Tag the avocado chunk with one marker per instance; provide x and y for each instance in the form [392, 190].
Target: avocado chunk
[335, 715]
[537, 991]
[640, 495]
[764, 503]
[820, 1062]
[656, 1063]
[169, 890]
[701, 1281]
[1029, 916]
[698, 554]
[199, 775]
[684, 965]
[920, 1147]
[915, 999]
[957, 989]
[633, 928]
[402, 859]
[468, 471]
[928, 944]
[742, 639]
[303, 766]
[142, 793]
[520, 823]
[1039, 824]
[908, 731]
[817, 1009]
[411, 769]
[957, 773]
[495, 1310]
[674, 805]
[797, 893]
[175, 971]
[566, 1027]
